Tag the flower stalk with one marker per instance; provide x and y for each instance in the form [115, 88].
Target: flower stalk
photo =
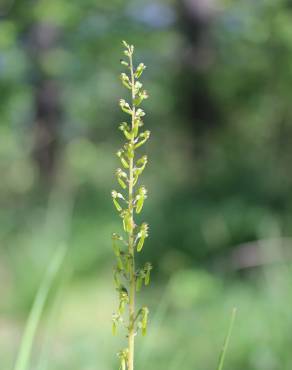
[128, 279]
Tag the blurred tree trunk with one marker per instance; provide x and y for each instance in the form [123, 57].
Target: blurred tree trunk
[48, 111]
[197, 103]
[46, 131]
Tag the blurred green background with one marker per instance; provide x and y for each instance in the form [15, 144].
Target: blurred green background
[219, 178]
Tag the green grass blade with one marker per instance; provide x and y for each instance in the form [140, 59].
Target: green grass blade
[48, 333]
[23, 357]
[226, 341]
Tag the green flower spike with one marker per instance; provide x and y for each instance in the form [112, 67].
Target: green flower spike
[128, 279]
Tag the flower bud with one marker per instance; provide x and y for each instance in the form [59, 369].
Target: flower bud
[139, 282]
[126, 130]
[115, 246]
[138, 170]
[128, 259]
[141, 96]
[115, 320]
[137, 124]
[123, 300]
[129, 150]
[147, 268]
[125, 106]
[125, 80]
[142, 195]
[143, 160]
[116, 195]
[124, 63]
[125, 44]
[144, 136]
[117, 279]
[142, 235]
[127, 221]
[123, 161]
[140, 113]
[144, 320]
[137, 87]
[139, 70]
[121, 176]
[123, 356]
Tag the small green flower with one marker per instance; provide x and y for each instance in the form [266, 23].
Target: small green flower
[124, 63]
[123, 356]
[139, 113]
[125, 80]
[128, 223]
[142, 95]
[116, 196]
[137, 124]
[120, 154]
[125, 106]
[144, 320]
[122, 178]
[115, 320]
[141, 236]
[116, 248]
[124, 127]
[142, 195]
[144, 136]
[147, 268]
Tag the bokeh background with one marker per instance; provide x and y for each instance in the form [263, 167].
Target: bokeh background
[219, 178]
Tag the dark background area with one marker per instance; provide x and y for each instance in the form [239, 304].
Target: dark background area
[219, 75]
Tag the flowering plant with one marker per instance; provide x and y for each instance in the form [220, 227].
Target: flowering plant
[129, 201]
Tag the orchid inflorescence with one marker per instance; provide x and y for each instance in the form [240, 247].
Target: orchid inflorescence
[127, 277]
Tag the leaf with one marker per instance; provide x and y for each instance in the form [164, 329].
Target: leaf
[226, 341]
[24, 353]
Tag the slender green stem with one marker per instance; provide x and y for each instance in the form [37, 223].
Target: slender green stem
[131, 338]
